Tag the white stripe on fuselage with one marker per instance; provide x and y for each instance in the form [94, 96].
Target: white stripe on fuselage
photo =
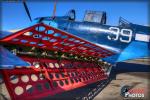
[142, 37]
[116, 50]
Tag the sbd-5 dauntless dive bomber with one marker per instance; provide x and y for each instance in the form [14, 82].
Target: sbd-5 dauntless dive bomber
[58, 54]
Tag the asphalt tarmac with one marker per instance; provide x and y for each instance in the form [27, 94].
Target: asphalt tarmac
[139, 80]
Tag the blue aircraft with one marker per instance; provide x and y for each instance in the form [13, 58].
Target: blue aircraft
[107, 46]
[127, 40]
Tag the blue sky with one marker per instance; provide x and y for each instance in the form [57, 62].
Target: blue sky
[14, 16]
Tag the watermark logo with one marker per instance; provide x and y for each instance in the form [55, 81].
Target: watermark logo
[130, 92]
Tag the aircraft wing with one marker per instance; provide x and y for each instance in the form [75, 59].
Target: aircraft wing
[49, 38]
[9, 60]
[4, 34]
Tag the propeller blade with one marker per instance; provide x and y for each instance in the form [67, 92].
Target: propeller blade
[54, 10]
[27, 10]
